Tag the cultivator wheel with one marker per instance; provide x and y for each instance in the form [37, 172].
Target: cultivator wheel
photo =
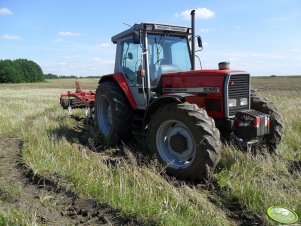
[271, 140]
[64, 101]
[184, 138]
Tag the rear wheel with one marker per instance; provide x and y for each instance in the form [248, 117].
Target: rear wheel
[271, 140]
[112, 113]
[184, 139]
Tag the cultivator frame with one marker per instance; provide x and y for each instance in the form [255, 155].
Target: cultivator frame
[78, 99]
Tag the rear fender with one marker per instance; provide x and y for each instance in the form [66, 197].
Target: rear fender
[120, 80]
[163, 100]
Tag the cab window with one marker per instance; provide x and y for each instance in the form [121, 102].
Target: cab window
[131, 61]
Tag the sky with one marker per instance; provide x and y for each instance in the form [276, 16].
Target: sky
[73, 37]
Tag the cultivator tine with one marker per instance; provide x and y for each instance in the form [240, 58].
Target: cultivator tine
[87, 111]
[70, 110]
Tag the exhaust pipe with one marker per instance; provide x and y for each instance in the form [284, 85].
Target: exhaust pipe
[192, 39]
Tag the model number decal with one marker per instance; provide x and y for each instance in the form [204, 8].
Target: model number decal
[193, 90]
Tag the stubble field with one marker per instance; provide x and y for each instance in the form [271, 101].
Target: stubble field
[54, 171]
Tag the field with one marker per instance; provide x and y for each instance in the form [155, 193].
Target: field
[54, 170]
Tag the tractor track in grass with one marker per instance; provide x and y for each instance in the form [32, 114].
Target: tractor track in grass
[43, 200]
[235, 210]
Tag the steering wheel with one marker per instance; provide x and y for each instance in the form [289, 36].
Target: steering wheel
[159, 61]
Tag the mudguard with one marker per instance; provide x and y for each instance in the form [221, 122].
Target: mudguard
[165, 99]
[120, 80]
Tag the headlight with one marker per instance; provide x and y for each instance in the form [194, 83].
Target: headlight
[243, 101]
[232, 102]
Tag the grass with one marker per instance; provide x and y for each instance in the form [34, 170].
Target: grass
[17, 106]
[289, 104]
[137, 190]
[260, 181]
[20, 102]
[263, 181]
[15, 217]
[8, 192]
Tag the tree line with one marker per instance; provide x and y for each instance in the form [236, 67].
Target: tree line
[20, 70]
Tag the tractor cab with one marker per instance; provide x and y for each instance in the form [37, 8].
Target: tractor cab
[148, 50]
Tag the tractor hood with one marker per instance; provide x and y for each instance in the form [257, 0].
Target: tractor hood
[199, 82]
[211, 90]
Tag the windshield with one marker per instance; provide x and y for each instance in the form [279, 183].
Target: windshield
[167, 54]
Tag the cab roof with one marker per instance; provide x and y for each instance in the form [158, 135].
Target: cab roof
[155, 27]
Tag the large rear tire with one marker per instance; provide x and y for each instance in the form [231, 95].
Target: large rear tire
[271, 140]
[184, 139]
[112, 113]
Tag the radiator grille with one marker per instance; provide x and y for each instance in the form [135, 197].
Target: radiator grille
[238, 87]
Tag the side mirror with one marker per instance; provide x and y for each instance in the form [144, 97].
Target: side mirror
[200, 43]
[136, 37]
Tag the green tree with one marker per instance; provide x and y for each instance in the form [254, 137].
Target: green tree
[20, 70]
[9, 73]
[31, 71]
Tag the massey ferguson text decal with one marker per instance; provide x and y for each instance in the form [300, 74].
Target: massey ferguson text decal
[192, 90]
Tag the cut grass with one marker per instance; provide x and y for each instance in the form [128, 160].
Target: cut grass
[289, 105]
[260, 181]
[17, 106]
[135, 190]
[15, 217]
[256, 181]
[263, 181]
[20, 102]
[8, 192]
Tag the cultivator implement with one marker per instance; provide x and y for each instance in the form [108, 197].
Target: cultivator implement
[78, 99]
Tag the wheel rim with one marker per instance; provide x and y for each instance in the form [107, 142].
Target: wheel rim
[104, 115]
[175, 144]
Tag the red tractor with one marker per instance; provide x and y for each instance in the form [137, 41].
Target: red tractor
[156, 91]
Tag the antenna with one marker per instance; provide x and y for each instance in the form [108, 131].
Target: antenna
[127, 24]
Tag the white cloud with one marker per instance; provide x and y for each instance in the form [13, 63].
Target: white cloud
[205, 44]
[11, 37]
[68, 34]
[200, 13]
[101, 61]
[63, 64]
[5, 12]
[104, 44]
[207, 30]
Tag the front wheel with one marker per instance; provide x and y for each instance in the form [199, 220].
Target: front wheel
[184, 139]
[271, 140]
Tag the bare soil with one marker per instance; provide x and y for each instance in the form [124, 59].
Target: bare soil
[42, 199]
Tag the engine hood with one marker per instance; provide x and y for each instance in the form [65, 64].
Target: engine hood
[198, 82]
[208, 72]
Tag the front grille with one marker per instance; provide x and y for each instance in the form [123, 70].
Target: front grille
[238, 87]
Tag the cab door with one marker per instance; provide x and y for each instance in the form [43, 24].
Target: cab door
[129, 63]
